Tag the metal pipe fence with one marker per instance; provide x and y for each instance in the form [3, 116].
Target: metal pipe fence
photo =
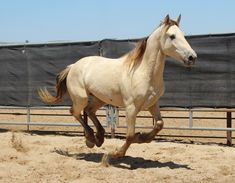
[113, 125]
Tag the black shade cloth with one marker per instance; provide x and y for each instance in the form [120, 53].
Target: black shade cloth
[210, 83]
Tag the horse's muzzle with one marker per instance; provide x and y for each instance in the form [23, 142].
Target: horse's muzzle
[190, 60]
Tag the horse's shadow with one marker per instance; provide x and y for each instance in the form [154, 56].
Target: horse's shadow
[126, 162]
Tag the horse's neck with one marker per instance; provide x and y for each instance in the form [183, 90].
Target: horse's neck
[153, 59]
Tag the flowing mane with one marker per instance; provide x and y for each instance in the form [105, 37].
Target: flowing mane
[135, 55]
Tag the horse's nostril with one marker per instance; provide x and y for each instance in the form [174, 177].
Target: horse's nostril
[190, 58]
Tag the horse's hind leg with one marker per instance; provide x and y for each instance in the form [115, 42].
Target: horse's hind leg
[76, 110]
[93, 105]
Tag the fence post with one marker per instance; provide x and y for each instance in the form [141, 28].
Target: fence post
[112, 115]
[28, 117]
[190, 118]
[229, 125]
[29, 90]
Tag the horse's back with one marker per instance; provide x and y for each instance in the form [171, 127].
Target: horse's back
[99, 76]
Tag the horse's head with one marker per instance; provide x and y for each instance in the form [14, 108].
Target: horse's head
[174, 44]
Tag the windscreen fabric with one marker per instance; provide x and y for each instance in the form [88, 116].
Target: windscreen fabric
[210, 83]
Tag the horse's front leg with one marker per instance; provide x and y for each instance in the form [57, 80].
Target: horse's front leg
[148, 137]
[131, 113]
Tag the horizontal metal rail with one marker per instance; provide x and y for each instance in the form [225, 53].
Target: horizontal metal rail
[100, 115]
[40, 123]
[137, 126]
[195, 109]
[186, 128]
[45, 124]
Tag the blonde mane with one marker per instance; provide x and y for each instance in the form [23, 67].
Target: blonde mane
[135, 55]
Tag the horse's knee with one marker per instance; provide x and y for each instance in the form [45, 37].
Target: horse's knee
[131, 139]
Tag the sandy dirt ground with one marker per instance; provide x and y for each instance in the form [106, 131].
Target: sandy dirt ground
[30, 158]
[64, 157]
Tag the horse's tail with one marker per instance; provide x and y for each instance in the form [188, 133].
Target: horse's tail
[61, 88]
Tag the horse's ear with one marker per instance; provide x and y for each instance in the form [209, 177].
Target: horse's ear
[178, 19]
[167, 19]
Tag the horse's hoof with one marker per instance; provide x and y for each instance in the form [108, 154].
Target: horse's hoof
[99, 143]
[89, 144]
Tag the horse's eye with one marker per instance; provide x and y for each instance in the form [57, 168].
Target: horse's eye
[172, 36]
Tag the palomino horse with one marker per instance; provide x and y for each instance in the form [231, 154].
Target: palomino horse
[133, 81]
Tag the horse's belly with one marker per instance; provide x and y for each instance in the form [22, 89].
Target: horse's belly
[113, 99]
[106, 90]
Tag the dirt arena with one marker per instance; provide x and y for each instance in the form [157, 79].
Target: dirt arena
[64, 157]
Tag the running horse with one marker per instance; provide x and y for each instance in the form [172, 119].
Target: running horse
[133, 81]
